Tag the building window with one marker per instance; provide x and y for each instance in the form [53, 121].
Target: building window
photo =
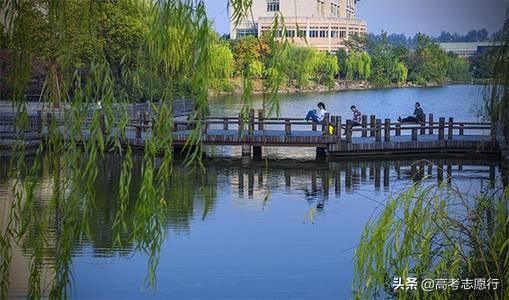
[272, 5]
[342, 34]
[245, 32]
[324, 32]
[334, 34]
[334, 10]
[320, 6]
[313, 32]
[290, 33]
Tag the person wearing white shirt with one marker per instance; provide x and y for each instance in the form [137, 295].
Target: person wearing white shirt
[317, 115]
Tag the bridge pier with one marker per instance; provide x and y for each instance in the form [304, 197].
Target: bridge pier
[246, 150]
[257, 153]
[321, 153]
[246, 154]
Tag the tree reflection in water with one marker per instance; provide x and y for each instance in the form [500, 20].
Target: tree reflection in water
[48, 241]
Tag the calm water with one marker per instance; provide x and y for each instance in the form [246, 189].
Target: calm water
[247, 233]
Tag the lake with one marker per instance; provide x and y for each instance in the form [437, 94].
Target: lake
[253, 231]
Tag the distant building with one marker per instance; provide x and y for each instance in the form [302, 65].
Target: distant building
[321, 24]
[466, 49]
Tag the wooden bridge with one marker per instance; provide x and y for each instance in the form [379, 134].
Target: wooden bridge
[332, 137]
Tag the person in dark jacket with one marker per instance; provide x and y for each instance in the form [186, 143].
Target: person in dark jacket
[357, 116]
[418, 116]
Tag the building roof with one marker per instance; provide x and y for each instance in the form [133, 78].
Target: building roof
[465, 46]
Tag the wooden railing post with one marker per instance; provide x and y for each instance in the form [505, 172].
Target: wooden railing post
[348, 131]
[261, 116]
[430, 124]
[313, 126]
[414, 134]
[441, 129]
[49, 116]
[493, 130]
[333, 124]
[241, 124]
[39, 121]
[288, 127]
[251, 121]
[387, 133]
[450, 129]
[325, 125]
[138, 132]
[372, 121]
[378, 128]
[146, 120]
[225, 123]
[423, 126]
[338, 126]
[364, 125]
[462, 129]
[398, 129]
[102, 123]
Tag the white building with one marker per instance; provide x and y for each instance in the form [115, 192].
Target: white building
[322, 24]
[466, 49]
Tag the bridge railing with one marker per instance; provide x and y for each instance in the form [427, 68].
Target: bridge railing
[333, 126]
[8, 123]
[443, 129]
[145, 111]
[261, 123]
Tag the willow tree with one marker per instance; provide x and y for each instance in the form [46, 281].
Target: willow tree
[358, 64]
[497, 95]
[438, 235]
[171, 57]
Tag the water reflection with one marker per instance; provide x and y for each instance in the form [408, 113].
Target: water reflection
[319, 180]
[240, 205]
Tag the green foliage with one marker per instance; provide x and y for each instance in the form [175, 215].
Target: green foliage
[358, 65]
[325, 69]
[497, 91]
[121, 28]
[303, 64]
[401, 72]
[299, 64]
[247, 50]
[481, 65]
[457, 68]
[342, 56]
[434, 232]
[222, 66]
[160, 50]
[387, 61]
[256, 69]
[428, 62]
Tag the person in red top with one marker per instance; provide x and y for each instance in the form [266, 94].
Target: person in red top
[357, 116]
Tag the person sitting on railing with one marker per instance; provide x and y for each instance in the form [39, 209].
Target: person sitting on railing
[317, 115]
[357, 116]
[418, 116]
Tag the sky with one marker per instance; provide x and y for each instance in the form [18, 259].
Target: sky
[408, 16]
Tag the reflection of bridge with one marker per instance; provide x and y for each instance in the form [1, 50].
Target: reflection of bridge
[330, 137]
[350, 176]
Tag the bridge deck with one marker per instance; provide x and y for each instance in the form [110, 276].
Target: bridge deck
[335, 146]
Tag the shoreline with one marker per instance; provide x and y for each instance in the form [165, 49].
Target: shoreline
[341, 85]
